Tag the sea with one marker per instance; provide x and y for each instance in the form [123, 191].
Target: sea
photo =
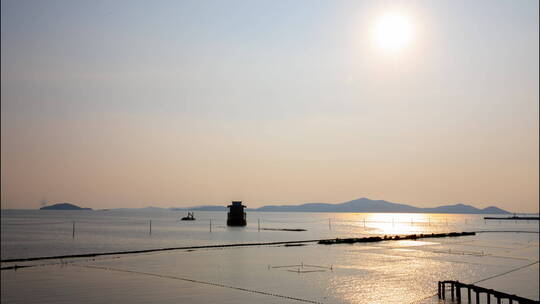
[503, 255]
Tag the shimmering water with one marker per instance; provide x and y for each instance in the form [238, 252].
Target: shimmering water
[35, 233]
[384, 272]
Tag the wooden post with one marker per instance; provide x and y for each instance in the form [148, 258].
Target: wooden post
[477, 296]
[458, 292]
[150, 228]
[329, 225]
[439, 289]
[468, 295]
[443, 290]
[452, 290]
[488, 298]
[498, 300]
[73, 231]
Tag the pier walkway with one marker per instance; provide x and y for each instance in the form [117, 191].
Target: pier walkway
[456, 288]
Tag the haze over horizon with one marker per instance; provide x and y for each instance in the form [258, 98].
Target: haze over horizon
[174, 103]
[362, 201]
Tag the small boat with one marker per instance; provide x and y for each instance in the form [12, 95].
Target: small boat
[189, 217]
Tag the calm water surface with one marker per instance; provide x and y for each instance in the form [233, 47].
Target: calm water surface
[384, 272]
[38, 233]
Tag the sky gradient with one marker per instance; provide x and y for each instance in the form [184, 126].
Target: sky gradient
[179, 103]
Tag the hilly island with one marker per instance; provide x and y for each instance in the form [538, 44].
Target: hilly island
[63, 206]
[362, 205]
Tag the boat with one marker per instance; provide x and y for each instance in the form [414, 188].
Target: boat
[236, 215]
[189, 217]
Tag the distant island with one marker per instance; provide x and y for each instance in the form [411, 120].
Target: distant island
[63, 206]
[361, 205]
[202, 208]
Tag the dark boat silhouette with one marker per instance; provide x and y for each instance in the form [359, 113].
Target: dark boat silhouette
[236, 215]
[189, 217]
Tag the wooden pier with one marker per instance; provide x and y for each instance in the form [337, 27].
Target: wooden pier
[456, 287]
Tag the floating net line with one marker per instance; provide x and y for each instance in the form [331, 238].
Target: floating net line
[360, 223]
[202, 282]
[35, 224]
[76, 221]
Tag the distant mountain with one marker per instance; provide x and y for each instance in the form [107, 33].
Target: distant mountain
[150, 208]
[494, 210]
[367, 205]
[64, 206]
[313, 207]
[202, 208]
[357, 205]
[461, 208]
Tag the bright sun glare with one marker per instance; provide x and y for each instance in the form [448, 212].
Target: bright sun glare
[393, 32]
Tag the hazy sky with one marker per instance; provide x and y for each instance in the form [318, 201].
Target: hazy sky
[178, 103]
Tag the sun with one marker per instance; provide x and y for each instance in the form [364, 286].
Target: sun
[393, 32]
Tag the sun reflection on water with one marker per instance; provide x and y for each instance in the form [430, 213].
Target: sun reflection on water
[396, 223]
